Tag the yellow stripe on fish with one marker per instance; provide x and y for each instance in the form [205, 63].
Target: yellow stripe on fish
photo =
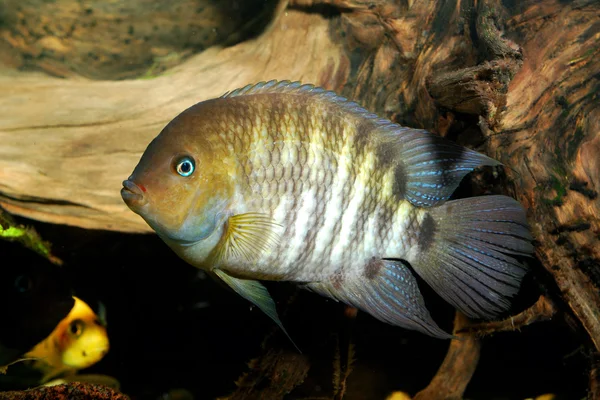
[285, 181]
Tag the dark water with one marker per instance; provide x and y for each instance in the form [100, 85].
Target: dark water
[172, 327]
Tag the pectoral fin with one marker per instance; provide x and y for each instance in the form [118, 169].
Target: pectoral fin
[247, 237]
[257, 294]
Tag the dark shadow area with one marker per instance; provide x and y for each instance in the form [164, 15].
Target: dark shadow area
[172, 327]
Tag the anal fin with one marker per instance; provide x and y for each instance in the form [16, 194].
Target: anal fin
[388, 291]
[257, 294]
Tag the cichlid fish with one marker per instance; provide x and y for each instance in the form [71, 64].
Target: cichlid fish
[34, 297]
[290, 182]
[79, 341]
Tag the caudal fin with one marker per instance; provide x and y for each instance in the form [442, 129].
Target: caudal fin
[387, 290]
[469, 255]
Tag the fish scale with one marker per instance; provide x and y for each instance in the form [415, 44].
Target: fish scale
[284, 181]
[304, 225]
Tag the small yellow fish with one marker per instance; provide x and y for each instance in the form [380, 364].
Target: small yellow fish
[290, 182]
[398, 396]
[79, 341]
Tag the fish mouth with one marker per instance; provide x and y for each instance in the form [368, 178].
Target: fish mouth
[91, 356]
[132, 194]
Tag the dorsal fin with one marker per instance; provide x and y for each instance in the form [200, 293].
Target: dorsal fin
[427, 167]
[297, 87]
[275, 86]
[272, 86]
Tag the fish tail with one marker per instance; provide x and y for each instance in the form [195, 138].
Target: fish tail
[468, 253]
[388, 291]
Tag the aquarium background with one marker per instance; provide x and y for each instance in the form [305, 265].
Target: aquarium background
[85, 85]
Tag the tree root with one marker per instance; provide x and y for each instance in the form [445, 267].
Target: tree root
[542, 310]
[458, 367]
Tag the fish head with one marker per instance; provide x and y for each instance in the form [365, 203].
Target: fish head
[83, 338]
[182, 184]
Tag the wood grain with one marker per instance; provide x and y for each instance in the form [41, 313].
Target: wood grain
[68, 144]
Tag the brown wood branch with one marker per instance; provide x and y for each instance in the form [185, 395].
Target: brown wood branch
[478, 90]
[491, 36]
[481, 89]
[458, 367]
[578, 292]
[542, 310]
[549, 134]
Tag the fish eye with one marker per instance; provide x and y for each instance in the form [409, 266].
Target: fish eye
[185, 166]
[23, 283]
[76, 327]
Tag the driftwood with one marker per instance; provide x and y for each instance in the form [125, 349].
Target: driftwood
[459, 365]
[542, 310]
[67, 148]
[520, 84]
[115, 40]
